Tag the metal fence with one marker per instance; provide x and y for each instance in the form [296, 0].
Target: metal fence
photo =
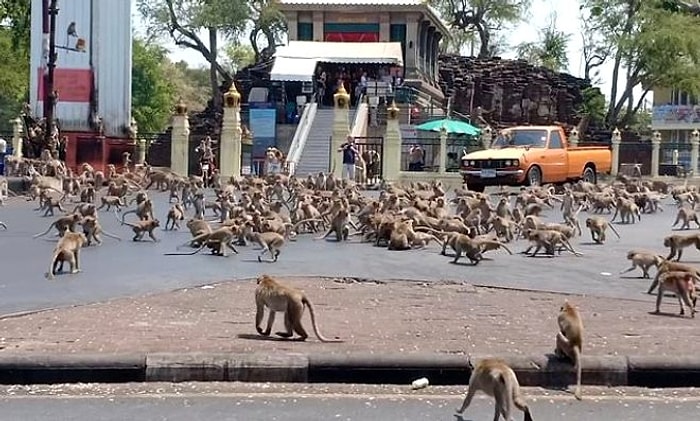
[372, 151]
[158, 149]
[456, 147]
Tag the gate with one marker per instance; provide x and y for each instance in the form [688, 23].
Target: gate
[157, 149]
[372, 151]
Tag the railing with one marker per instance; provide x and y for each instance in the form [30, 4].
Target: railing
[300, 136]
[456, 147]
[675, 114]
[359, 122]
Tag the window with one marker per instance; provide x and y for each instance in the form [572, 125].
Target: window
[555, 141]
[305, 31]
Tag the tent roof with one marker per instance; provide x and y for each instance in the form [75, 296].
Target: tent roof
[297, 61]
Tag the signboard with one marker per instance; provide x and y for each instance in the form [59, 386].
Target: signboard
[264, 128]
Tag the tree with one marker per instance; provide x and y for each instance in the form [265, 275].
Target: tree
[190, 83]
[238, 56]
[551, 49]
[485, 18]
[266, 20]
[14, 77]
[15, 14]
[651, 46]
[152, 96]
[183, 20]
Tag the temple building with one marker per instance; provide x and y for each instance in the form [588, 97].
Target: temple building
[411, 23]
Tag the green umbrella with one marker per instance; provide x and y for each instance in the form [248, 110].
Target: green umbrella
[451, 126]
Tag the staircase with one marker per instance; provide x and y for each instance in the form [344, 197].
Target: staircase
[315, 155]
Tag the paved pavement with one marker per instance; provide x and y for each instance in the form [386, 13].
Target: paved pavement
[126, 269]
[191, 401]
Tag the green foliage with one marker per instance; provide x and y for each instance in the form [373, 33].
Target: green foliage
[14, 78]
[191, 84]
[551, 51]
[483, 18]
[237, 56]
[267, 20]
[15, 14]
[152, 94]
[650, 47]
[594, 105]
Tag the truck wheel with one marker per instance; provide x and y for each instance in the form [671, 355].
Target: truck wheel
[534, 177]
[589, 176]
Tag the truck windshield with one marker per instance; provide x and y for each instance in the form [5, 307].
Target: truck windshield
[531, 138]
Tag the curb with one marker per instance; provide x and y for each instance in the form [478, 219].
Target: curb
[440, 369]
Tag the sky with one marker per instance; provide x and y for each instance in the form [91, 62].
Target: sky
[567, 20]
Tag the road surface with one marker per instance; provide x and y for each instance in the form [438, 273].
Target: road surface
[119, 269]
[251, 402]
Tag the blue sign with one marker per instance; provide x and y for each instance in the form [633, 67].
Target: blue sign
[263, 125]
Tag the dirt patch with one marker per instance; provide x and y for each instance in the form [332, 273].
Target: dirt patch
[373, 317]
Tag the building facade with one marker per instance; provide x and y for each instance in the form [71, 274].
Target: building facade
[675, 115]
[410, 22]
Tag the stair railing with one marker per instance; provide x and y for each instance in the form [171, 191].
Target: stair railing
[300, 136]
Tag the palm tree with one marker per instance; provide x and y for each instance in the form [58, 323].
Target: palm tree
[549, 51]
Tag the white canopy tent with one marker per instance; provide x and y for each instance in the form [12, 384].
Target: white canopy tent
[297, 61]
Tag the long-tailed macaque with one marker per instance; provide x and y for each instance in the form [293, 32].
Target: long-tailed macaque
[277, 297]
[569, 341]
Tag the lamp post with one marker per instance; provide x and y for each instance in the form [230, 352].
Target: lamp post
[49, 93]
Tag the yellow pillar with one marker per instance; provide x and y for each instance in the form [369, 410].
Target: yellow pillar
[655, 147]
[391, 148]
[17, 137]
[230, 143]
[179, 140]
[341, 129]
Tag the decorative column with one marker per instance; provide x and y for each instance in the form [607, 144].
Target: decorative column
[694, 142]
[230, 145]
[442, 165]
[391, 148]
[615, 142]
[486, 137]
[655, 146]
[573, 137]
[141, 147]
[341, 129]
[17, 137]
[179, 140]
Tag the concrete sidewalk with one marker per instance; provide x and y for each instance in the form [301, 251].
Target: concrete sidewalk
[393, 332]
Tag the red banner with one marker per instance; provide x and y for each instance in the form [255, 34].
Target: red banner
[351, 37]
[73, 85]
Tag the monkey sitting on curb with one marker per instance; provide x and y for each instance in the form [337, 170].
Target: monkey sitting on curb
[67, 249]
[682, 284]
[495, 378]
[277, 297]
[569, 341]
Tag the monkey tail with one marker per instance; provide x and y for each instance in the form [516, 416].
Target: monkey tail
[577, 392]
[45, 232]
[612, 227]
[110, 235]
[126, 213]
[320, 337]
[204, 244]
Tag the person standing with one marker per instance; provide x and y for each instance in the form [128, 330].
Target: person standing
[350, 154]
[416, 158]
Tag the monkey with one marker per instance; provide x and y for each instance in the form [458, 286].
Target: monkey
[50, 203]
[175, 214]
[627, 209]
[503, 227]
[218, 241]
[142, 227]
[422, 239]
[598, 226]
[85, 209]
[549, 239]
[271, 242]
[668, 266]
[472, 248]
[494, 377]
[533, 209]
[569, 341]
[687, 215]
[339, 226]
[67, 249]
[62, 224]
[139, 198]
[682, 284]
[643, 260]
[92, 230]
[197, 227]
[110, 201]
[277, 297]
[144, 211]
[87, 195]
[678, 242]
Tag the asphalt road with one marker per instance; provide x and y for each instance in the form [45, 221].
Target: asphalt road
[186, 405]
[119, 269]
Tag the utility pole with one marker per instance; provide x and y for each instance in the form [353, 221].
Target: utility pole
[49, 93]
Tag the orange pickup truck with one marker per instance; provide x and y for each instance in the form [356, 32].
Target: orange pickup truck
[533, 155]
